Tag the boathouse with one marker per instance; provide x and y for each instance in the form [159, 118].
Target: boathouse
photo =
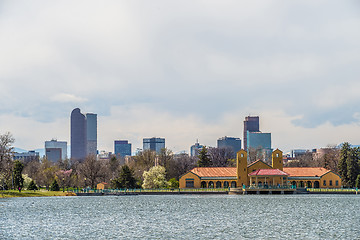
[259, 175]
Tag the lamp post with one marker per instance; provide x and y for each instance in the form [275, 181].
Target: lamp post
[63, 184]
[85, 184]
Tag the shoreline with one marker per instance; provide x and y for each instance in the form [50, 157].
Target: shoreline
[31, 193]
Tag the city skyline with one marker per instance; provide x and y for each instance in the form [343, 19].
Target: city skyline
[183, 71]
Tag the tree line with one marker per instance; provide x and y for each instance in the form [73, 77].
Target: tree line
[147, 169]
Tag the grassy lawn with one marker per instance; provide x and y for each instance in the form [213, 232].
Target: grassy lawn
[28, 193]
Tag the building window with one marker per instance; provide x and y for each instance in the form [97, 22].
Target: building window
[189, 183]
[330, 182]
[337, 182]
[324, 183]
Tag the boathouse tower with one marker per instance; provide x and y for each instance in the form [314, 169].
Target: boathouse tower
[241, 168]
[277, 160]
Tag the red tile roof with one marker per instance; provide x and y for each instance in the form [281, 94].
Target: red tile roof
[215, 171]
[305, 171]
[268, 172]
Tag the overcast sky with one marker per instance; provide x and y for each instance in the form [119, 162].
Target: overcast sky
[182, 70]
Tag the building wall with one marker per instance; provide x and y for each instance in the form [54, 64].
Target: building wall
[53, 154]
[330, 177]
[189, 175]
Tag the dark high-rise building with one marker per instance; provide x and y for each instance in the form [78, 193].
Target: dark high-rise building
[122, 148]
[251, 124]
[83, 134]
[230, 142]
[78, 134]
[154, 144]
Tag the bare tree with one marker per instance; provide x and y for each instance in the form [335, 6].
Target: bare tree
[220, 156]
[91, 170]
[32, 168]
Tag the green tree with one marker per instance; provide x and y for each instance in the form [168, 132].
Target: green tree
[32, 186]
[357, 182]
[342, 167]
[353, 166]
[204, 159]
[155, 178]
[173, 183]
[17, 173]
[126, 178]
[54, 186]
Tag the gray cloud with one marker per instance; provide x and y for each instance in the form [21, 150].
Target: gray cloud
[204, 59]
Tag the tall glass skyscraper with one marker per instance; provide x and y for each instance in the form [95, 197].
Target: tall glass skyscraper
[154, 144]
[251, 124]
[230, 142]
[83, 134]
[122, 148]
[91, 133]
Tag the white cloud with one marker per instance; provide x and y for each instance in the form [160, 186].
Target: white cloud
[67, 98]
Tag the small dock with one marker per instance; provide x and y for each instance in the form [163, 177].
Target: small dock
[253, 190]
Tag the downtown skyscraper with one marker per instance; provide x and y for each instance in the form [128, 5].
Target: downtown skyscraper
[83, 134]
[251, 124]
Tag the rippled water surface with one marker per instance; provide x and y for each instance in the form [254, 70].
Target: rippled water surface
[182, 217]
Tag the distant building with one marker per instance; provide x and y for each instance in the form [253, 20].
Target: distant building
[55, 150]
[230, 142]
[83, 134]
[154, 144]
[258, 140]
[104, 155]
[27, 156]
[195, 149]
[122, 148]
[91, 133]
[251, 124]
[295, 153]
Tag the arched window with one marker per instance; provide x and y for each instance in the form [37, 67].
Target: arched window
[211, 184]
[233, 184]
[226, 184]
[218, 184]
[203, 184]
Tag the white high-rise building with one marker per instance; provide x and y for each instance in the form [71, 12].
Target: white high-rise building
[55, 150]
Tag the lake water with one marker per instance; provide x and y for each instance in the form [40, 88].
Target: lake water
[182, 217]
